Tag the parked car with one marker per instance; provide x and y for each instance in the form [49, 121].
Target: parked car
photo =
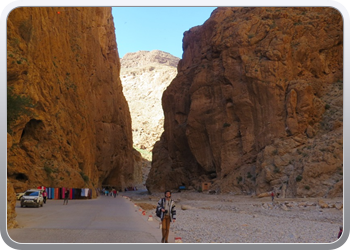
[19, 195]
[32, 197]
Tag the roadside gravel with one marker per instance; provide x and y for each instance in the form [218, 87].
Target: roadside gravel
[205, 218]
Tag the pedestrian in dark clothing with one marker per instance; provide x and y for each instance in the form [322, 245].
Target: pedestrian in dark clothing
[66, 197]
[44, 196]
[340, 231]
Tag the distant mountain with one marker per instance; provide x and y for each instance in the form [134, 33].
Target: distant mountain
[145, 75]
[142, 58]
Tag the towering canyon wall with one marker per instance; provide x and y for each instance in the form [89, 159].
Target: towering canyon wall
[256, 105]
[78, 132]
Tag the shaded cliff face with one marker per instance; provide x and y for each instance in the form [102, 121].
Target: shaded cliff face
[256, 105]
[79, 132]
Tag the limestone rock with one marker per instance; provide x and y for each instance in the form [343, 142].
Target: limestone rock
[339, 206]
[187, 207]
[264, 195]
[322, 204]
[259, 106]
[284, 207]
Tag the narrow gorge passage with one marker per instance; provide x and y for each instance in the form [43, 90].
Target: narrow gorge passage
[144, 76]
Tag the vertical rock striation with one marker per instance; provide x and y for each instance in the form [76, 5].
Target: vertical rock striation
[78, 134]
[256, 105]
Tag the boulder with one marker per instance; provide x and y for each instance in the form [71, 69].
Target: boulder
[322, 204]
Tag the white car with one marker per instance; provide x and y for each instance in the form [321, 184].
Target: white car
[32, 197]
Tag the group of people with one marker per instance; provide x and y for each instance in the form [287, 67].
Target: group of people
[113, 192]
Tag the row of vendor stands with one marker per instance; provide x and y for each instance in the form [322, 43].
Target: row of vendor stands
[74, 193]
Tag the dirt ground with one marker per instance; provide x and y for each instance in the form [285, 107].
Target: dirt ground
[149, 202]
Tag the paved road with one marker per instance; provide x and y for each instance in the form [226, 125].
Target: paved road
[101, 220]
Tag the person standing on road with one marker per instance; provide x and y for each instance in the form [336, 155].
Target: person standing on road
[44, 196]
[66, 196]
[272, 195]
[168, 213]
[114, 192]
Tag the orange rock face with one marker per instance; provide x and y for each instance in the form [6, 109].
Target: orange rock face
[260, 105]
[79, 133]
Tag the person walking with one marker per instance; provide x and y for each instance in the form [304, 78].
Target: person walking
[168, 214]
[114, 193]
[44, 196]
[66, 196]
[272, 195]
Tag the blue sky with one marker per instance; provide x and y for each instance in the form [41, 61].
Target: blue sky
[150, 28]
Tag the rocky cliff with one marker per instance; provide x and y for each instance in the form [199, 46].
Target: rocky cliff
[256, 105]
[77, 132]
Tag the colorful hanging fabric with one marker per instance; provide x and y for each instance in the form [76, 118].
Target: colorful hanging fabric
[57, 190]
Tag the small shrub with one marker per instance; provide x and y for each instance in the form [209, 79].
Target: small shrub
[17, 106]
[239, 179]
[249, 175]
[85, 177]
[327, 106]
[276, 170]
[307, 187]
[273, 25]
[48, 170]
[298, 178]
[226, 125]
